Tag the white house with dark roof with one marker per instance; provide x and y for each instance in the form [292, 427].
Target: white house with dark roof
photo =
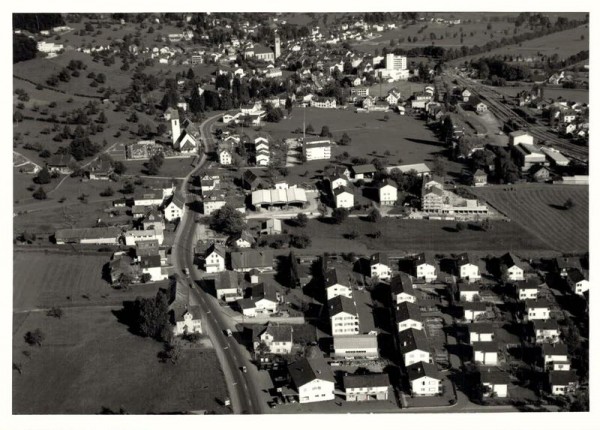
[334, 286]
[227, 286]
[337, 181]
[495, 383]
[414, 346]
[537, 309]
[343, 197]
[276, 337]
[468, 292]
[151, 265]
[480, 332]
[514, 268]
[425, 268]
[355, 347]
[316, 148]
[485, 353]
[388, 193]
[554, 353]
[402, 289]
[424, 379]
[380, 266]
[563, 382]
[467, 268]
[408, 316]
[313, 379]
[187, 321]
[214, 260]
[474, 311]
[174, 209]
[364, 388]
[343, 316]
[528, 290]
[545, 331]
[271, 226]
[577, 281]
[244, 239]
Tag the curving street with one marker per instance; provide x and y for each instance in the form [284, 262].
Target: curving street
[243, 393]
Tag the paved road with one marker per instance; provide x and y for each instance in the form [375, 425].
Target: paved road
[243, 392]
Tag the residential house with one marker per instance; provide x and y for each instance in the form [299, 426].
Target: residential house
[388, 193]
[545, 331]
[134, 236]
[313, 379]
[355, 347]
[393, 96]
[187, 320]
[151, 265]
[364, 388]
[343, 197]
[577, 282]
[153, 220]
[528, 290]
[363, 172]
[122, 266]
[466, 95]
[248, 259]
[425, 267]
[408, 316]
[495, 383]
[227, 286]
[343, 316]
[213, 201]
[174, 209]
[264, 299]
[479, 178]
[148, 198]
[481, 107]
[402, 289]
[225, 152]
[537, 309]
[515, 269]
[275, 338]
[337, 181]
[554, 353]
[467, 268]
[61, 163]
[424, 379]
[316, 148]
[474, 311]
[480, 332]
[323, 102]
[214, 258]
[414, 346]
[250, 181]
[100, 170]
[380, 266]
[271, 226]
[243, 239]
[564, 264]
[520, 136]
[563, 382]
[335, 286]
[146, 247]
[485, 353]
[468, 292]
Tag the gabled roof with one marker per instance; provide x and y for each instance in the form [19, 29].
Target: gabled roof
[464, 259]
[421, 369]
[562, 377]
[306, 370]
[356, 341]
[408, 311]
[219, 249]
[380, 258]
[243, 235]
[178, 200]
[252, 258]
[148, 261]
[341, 190]
[412, 339]
[464, 287]
[370, 380]
[485, 346]
[509, 259]
[341, 304]
[280, 333]
[568, 262]
[424, 258]
[545, 325]
[364, 168]
[529, 284]
[555, 349]
[481, 328]
[539, 303]
[574, 275]
[402, 283]
[227, 280]
[494, 377]
[264, 291]
[474, 306]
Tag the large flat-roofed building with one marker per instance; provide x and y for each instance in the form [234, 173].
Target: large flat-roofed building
[355, 347]
[316, 148]
[529, 155]
[279, 197]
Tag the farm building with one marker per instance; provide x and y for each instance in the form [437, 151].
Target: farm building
[363, 388]
[94, 236]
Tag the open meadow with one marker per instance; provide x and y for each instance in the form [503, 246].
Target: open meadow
[90, 361]
[556, 92]
[412, 236]
[537, 208]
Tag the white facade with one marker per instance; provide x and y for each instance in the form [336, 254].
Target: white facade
[225, 158]
[470, 272]
[276, 347]
[538, 313]
[582, 286]
[388, 195]
[425, 386]
[188, 325]
[265, 306]
[486, 358]
[528, 293]
[344, 323]
[172, 212]
[214, 263]
[480, 337]
[404, 297]
[408, 324]
[317, 390]
[344, 199]
[212, 205]
[426, 271]
[132, 237]
[499, 390]
[381, 271]
[415, 356]
[338, 290]
[515, 273]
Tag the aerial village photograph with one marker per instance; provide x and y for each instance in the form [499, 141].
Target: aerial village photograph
[300, 213]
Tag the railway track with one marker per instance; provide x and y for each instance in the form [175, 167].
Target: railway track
[505, 113]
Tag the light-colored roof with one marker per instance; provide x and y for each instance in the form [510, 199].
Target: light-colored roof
[356, 341]
[87, 233]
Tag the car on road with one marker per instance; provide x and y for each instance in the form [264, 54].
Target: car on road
[227, 402]
[228, 332]
[185, 271]
[244, 369]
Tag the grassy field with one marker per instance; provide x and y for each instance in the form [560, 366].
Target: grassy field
[90, 361]
[172, 167]
[563, 43]
[581, 96]
[402, 236]
[536, 208]
[407, 139]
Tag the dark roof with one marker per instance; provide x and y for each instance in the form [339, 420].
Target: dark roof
[423, 258]
[146, 247]
[475, 306]
[306, 370]
[244, 235]
[364, 168]
[568, 262]
[178, 200]
[554, 349]
[334, 276]
[485, 346]
[226, 280]
[264, 291]
[545, 325]
[380, 258]
[529, 284]
[342, 189]
[562, 377]
[246, 303]
[463, 287]
[480, 327]
[539, 303]
[463, 259]
[412, 339]
[370, 380]
[574, 275]
[494, 377]
[219, 249]
[406, 311]
[60, 160]
[280, 333]
[402, 283]
[147, 261]
[420, 369]
[252, 258]
[341, 304]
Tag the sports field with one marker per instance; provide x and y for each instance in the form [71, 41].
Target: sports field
[537, 208]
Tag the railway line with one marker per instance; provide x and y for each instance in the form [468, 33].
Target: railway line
[505, 113]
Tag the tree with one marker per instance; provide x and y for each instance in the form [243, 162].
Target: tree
[43, 177]
[300, 241]
[374, 215]
[40, 194]
[227, 220]
[146, 277]
[345, 140]
[151, 316]
[119, 167]
[107, 192]
[339, 215]
[460, 226]
[24, 48]
[301, 220]
[439, 168]
[102, 118]
[18, 117]
[170, 353]
[288, 105]
[310, 129]
[569, 203]
[325, 132]
[35, 337]
[55, 312]
[386, 117]
[273, 114]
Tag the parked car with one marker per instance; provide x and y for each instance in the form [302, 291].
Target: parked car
[228, 332]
